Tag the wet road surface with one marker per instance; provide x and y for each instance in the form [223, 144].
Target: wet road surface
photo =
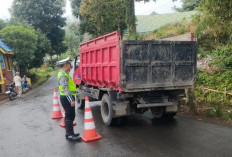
[27, 130]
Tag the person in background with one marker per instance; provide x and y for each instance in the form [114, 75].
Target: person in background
[18, 84]
[25, 83]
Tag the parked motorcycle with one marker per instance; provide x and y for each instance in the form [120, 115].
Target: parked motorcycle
[12, 92]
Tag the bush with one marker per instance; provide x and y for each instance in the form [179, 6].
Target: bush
[222, 57]
[165, 31]
[134, 37]
[218, 112]
[38, 76]
[66, 55]
[217, 80]
[210, 113]
[172, 30]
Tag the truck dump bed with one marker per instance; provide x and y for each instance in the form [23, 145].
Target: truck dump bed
[132, 66]
[158, 64]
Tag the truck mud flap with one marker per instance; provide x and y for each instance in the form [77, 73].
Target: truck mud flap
[121, 108]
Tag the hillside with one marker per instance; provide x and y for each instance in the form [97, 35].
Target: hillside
[149, 23]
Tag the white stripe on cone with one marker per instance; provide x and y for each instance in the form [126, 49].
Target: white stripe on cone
[87, 104]
[88, 115]
[55, 93]
[55, 101]
[89, 125]
[56, 108]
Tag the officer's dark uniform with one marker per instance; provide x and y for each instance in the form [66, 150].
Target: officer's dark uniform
[67, 90]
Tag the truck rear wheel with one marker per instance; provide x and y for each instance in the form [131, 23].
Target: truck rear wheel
[107, 113]
[160, 113]
[157, 112]
[106, 110]
[80, 102]
[170, 115]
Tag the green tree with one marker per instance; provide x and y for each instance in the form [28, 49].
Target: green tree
[19, 22]
[86, 24]
[103, 16]
[23, 42]
[130, 15]
[43, 44]
[58, 44]
[2, 24]
[129, 12]
[75, 4]
[215, 26]
[188, 5]
[45, 15]
[43, 47]
[73, 37]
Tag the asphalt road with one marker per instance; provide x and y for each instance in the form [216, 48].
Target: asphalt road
[27, 130]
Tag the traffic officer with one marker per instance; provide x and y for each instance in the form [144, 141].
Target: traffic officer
[67, 90]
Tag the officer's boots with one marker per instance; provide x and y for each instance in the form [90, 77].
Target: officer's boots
[69, 131]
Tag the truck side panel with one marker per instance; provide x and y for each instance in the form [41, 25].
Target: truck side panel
[100, 61]
[157, 64]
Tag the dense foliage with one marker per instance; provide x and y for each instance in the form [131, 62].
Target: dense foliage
[188, 5]
[23, 41]
[2, 24]
[45, 15]
[214, 37]
[130, 17]
[75, 4]
[103, 16]
[43, 46]
[40, 75]
[73, 37]
[215, 26]
[121, 10]
[30, 46]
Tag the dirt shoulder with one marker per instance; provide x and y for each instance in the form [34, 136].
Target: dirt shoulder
[213, 120]
[3, 99]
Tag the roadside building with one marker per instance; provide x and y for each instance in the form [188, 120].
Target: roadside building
[6, 65]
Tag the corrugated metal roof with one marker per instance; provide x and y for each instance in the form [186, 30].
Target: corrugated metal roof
[5, 47]
[149, 23]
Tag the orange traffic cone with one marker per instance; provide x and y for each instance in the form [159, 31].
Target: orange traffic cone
[90, 132]
[62, 124]
[56, 107]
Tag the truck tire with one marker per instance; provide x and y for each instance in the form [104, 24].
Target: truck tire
[120, 120]
[106, 110]
[170, 115]
[159, 113]
[80, 103]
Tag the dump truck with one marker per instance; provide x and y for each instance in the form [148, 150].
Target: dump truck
[134, 75]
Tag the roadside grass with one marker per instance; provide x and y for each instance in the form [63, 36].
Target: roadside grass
[39, 75]
[149, 23]
[168, 30]
[216, 103]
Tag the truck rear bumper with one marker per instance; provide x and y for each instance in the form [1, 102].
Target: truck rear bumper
[157, 104]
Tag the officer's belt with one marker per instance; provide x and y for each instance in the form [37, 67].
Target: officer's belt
[72, 92]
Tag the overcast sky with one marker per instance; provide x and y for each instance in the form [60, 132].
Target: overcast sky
[141, 8]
